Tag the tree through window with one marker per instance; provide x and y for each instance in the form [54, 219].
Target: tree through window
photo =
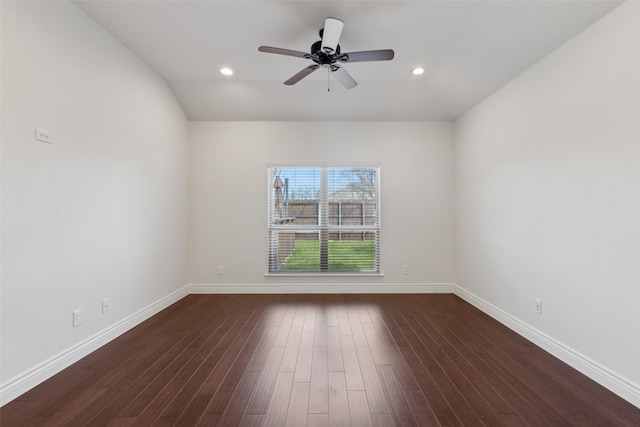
[324, 219]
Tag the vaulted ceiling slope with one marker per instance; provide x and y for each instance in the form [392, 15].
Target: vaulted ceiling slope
[469, 50]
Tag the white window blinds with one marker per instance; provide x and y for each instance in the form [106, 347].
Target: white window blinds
[324, 219]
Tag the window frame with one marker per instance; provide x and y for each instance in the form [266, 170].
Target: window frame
[322, 225]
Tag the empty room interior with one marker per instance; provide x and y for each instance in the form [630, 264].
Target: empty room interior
[320, 213]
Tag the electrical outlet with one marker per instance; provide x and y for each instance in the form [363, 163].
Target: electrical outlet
[105, 305]
[405, 269]
[537, 305]
[77, 318]
[221, 270]
[44, 136]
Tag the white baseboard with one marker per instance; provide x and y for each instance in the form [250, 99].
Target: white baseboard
[322, 288]
[616, 383]
[31, 378]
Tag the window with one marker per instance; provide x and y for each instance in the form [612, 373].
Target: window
[324, 219]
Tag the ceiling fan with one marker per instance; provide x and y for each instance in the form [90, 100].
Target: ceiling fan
[325, 53]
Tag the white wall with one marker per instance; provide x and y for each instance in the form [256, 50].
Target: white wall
[548, 199]
[229, 195]
[101, 212]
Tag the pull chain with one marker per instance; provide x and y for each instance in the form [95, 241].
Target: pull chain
[328, 80]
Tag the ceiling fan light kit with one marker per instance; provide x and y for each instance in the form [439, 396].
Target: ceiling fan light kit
[325, 53]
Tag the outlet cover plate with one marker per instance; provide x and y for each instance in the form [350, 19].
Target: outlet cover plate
[77, 318]
[537, 305]
[44, 136]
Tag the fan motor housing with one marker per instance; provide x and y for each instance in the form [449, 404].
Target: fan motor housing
[323, 57]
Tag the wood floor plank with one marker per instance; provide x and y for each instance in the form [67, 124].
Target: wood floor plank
[377, 319]
[394, 393]
[263, 349]
[418, 404]
[274, 314]
[352, 371]
[290, 356]
[319, 388]
[310, 318]
[122, 422]
[383, 420]
[234, 412]
[276, 413]
[320, 329]
[298, 318]
[363, 312]
[298, 405]
[338, 400]
[376, 395]
[264, 386]
[343, 320]
[222, 379]
[332, 313]
[284, 328]
[249, 420]
[357, 331]
[359, 411]
[372, 360]
[380, 345]
[305, 357]
[335, 363]
[318, 420]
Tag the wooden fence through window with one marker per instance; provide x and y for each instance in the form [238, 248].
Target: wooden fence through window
[307, 212]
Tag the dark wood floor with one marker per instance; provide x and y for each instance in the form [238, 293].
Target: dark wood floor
[295, 360]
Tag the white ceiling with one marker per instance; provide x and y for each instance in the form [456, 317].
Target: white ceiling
[469, 48]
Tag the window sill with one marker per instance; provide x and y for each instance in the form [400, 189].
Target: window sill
[317, 274]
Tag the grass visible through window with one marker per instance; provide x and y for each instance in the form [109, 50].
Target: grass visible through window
[343, 256]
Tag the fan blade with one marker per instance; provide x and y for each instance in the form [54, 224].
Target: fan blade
[268, 49]
[302, 74]
[331, 34]
[367, 55]
[344, 78]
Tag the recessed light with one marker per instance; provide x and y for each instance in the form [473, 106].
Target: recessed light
[226, 71]
[417, 71]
